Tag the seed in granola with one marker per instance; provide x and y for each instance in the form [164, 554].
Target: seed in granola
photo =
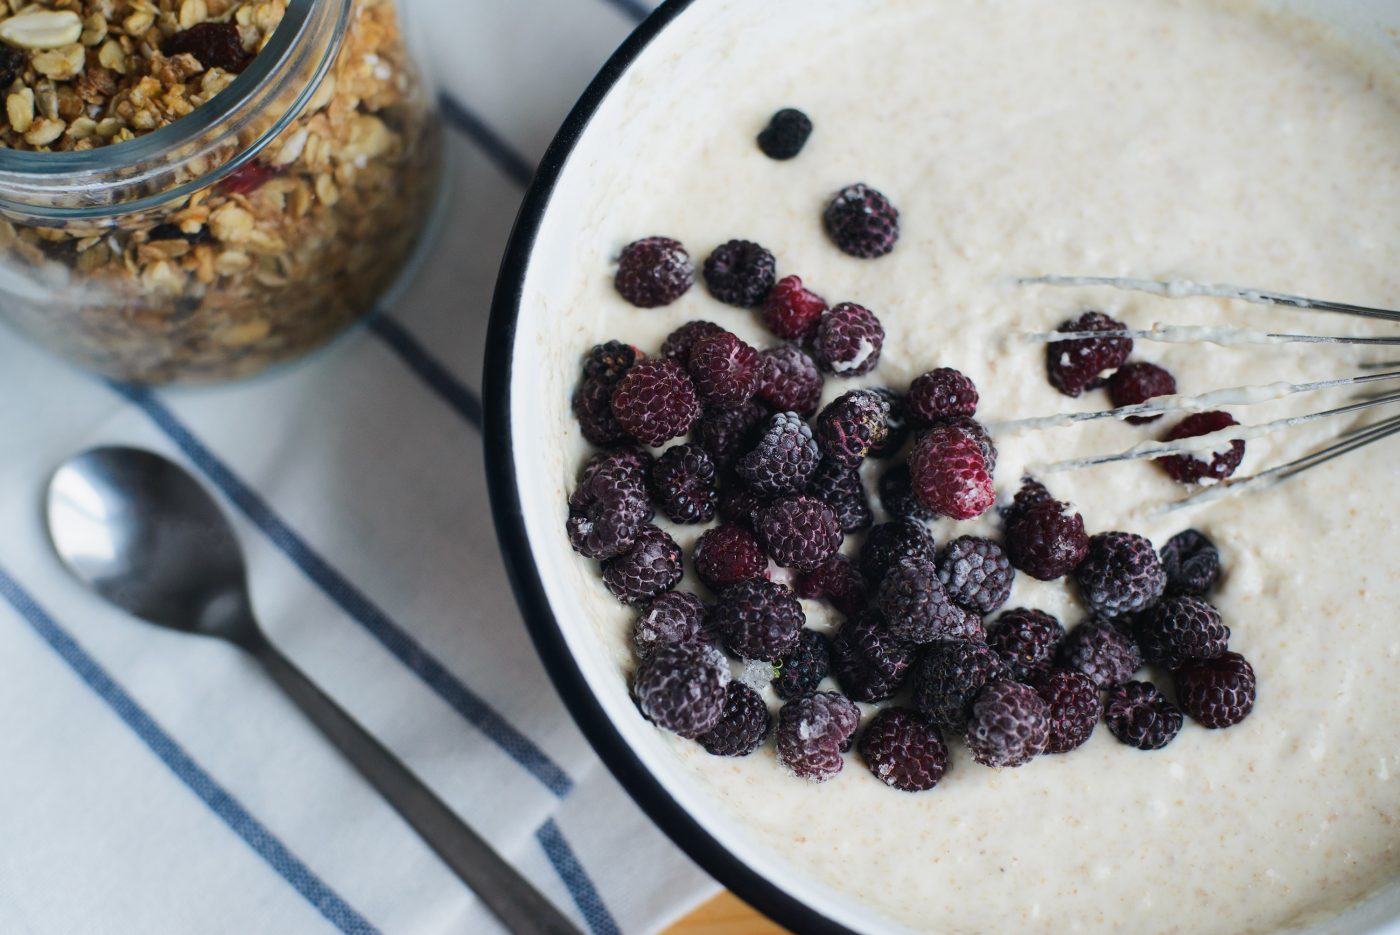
[94, 29]
[112, 56]
[11, 64]
[19, 106]
[192, 13]
[216, 45]
[62, 63]
[41, 29]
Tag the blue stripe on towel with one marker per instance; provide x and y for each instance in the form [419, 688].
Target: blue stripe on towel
[460, 118]
[219, 800]
[581, 888]
[438, 378]
[351, 599]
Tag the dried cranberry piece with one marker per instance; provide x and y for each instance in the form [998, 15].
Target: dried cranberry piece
[216, 45]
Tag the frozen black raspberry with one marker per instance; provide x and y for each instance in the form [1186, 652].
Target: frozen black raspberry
[683, 481]
[813, 731]
[792, 311]
[610, 505]
[802, 670]
[653, 272]
[869, 662]
[1137, 383]
[728, 554]
[726, 432]
[784, 459]
[852, 424]
[890, 542]
[655, 402]
[840, 488]
[1073, 364]
[679, 343]
[1045, 538]
[1026, 641]
[757, 619]
[905, 751]
[1104, 653]
[740, 505]
[724, 369]
[1217, 692]
[592, 405]
[743, 723]
[651, 565]
[800, 532]
[978, 432]
[1179, 629]
[940, 394]
[740, 273]
[897, 495]
[682, 688]
[610, 361]
[848, 340]
[1032, 492]
[975, 573]
[838, 582]
[790, 381]
[862, 222]
[785, 134]
[670, 618]
[949, 676]
[1141, 716]
[1009, 725]
[1120, 574]
[896, 424]
[950, 475]
[1190, 469]
[1074, 708]
[915, 605]
[1192, 563]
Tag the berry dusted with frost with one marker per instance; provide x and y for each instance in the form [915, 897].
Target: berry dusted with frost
[841, 488]
[1141, 716]
[1026, 640]
[1180, 629]
[903, 750]
[949, 676]
[802, 670]
[592, 406]
[682, 688]
[975, 573]
[837, 581]
[724, 369]
[1216, 692]
[784, 459]
[653, 272]
[728, 554]
[848, 340]
[915, 605]
[1009, 725]
[683, 481]
[726, 432]
[1138, 382]
[741, 506]
[1191, 469]
[852, 424]
[940, 394]
[655, 402]
[978, 432]
[800, 532]
[740, 273]
[896, 424]
[649, 566]
[1074, 708]
[671, 618]
[950, 474]
[1121, 574]
[610, 505]
[790, 381]
[889, 543]
[862, 222]
[1075, 363]
[1192, 563]
[743, 723]
[758, 619]
[792, 310]
[679, 343]
[1031, 494]
[897, 495]
[869, 662]
[812, 733]
[785, 134]
[1104, 653]
[1045, 538]
[610, 361]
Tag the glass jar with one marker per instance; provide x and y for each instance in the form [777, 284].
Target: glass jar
[263, 212]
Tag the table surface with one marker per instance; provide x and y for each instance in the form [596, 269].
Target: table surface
[724, 915]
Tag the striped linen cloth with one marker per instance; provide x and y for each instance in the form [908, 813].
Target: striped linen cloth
[158, 783]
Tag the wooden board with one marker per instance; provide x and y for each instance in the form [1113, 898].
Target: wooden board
[724, 915]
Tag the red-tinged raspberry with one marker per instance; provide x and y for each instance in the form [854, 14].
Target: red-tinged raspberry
[682, 688]
[1075, 363]
[1141, 716]
[610, 361]
[651, 565]
[940, 394]
[1031, 494]
[1137, 383]
[1121, 574]
[679, 343]
[889, 543]
[852, 424]
[758, 619]
[724, 369]
[1104, 653]
[862, 222]
[785, 134]
[671, 618]
[838, 582]
[1216, 692]
[949, 676]
[743, 724]
[841, 488]
[950, 475]
[741, 506]
[683, 481]
[897, 495]
[1181, 629]
[975, 573]
[848, 340]
[740, 273]
[727, 432]
[1074, 706]
[608, 508]
[1046, 539]
[790, 381]
[653, 272]
[1188, 468]
[915, 605]
[592, 405]
[896, 424]
[802, 670]
[905, 751]
[655, 402]
[869, 662]
[1026, 640]
[785, 458]
[1192, 563]
[978, 432]
[726, 555]
[792, 311]
[800, 532]
[1009, 725]
[813, 731]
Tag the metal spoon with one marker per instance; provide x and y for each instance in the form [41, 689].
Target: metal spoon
[144, 534]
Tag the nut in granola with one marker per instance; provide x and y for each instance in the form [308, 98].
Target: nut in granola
[37, 28]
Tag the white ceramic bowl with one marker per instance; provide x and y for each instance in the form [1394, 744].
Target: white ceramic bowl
[528, 382]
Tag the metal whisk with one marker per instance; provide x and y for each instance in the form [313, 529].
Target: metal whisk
[1346, 442]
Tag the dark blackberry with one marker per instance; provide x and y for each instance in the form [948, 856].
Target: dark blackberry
[890, 542]
[1073, 364]
[670, 618]
[679, 343]
[1192, 563]
[653, 272]
[1190, 469]
[1032, 493]
[940, 394]
[743, 723]
[610, 361]
[790, 381]
[897, 495]
[949, 675]
[1137, 383]
[682, 688]
[1120, 574]
[869, 662]
[655, 402]
[950, 475]
[862, 222]
[1180, 629]
[915, 605]
[608, 509]
[724, 369]
[799, 532]
[784, 459]
[757, 619]
[1009, 725]
[838, 582]
[1046, 538]
[631, 461]
[651, 565]
[1074, 708]
[740, 273]
[850, 425]
[802, 670]
[726, 432]
[1104, 653]
[840, 488]
[740, 505]
[896, 424]
[1141, 716]
[785, 134]
[975, 573]
[813, 731]
[792, 311]
[592, 406]
[1026, 640]
[848, 340]
[683, 482]
[728, 554]
[1217, 692]
[903, 750]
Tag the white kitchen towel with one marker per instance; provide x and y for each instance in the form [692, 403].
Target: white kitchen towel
[156, 783]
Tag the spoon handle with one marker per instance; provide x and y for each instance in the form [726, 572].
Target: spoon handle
[504, 891]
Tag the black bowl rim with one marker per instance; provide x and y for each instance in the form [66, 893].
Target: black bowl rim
[688, 833]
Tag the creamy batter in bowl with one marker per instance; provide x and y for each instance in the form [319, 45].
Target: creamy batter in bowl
[1201, 139]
